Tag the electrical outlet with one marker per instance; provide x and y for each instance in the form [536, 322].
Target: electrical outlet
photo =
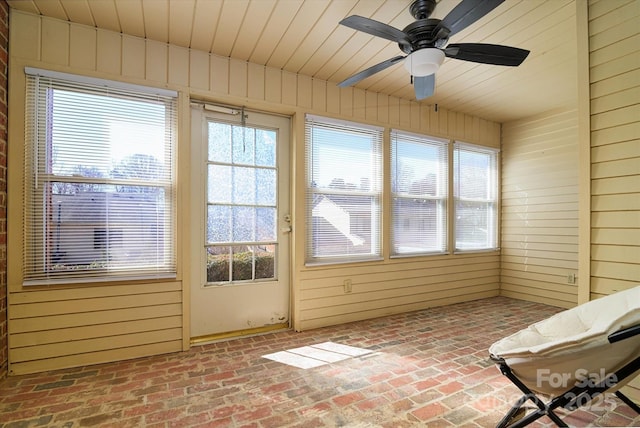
[571, 278]
[347, 285]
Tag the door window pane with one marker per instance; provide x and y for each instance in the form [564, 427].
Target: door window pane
[244, 220]
[266, 224]
[266, 147]
[266, 187]
[218, 223]
[242, 147]
[244, 185]
[243, 263]
[219, 184]
[219, 142]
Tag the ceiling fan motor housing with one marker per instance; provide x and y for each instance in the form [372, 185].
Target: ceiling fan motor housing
[421, 35]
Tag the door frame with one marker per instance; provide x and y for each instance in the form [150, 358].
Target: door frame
[200, 113]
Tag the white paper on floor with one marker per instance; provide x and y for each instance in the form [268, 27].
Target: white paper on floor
[307, 357]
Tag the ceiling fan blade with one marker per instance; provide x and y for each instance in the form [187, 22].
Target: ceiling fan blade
[466, 13]
[375, 28]
[370, 71]
[424, 86]
[486, 53]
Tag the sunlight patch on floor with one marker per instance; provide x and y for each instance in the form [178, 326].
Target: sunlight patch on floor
[307, 357]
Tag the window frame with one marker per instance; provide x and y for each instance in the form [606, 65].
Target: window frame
[443, 190]
[39, 179]
[493, 200]
[375, 193]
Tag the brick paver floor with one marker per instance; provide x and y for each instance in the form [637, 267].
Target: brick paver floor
[427, 368]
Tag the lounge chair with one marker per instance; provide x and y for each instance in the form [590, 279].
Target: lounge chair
[573, 357]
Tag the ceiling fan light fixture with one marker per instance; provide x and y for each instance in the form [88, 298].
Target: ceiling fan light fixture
[424, 62]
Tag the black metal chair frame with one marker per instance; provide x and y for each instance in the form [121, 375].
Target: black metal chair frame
[575, 397]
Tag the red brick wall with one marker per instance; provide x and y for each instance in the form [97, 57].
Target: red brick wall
[4, 56]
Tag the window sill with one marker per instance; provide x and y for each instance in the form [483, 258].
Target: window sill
[101, 279]
[474, 251]
[320, 263]
[416, 255]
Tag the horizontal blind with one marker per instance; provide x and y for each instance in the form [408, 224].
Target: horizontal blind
[419, 173]
[99, 181]
[476, 195]
[344, 185]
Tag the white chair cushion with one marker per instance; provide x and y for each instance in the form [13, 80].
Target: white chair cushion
[550, 356]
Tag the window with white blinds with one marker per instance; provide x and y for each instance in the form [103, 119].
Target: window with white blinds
[419, 186]
[99, 180]
[476, 197]
[344, 186]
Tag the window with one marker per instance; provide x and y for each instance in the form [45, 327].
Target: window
[99, 180]
[476, 197]
[241, 238]
[419, 174]
[344, 180]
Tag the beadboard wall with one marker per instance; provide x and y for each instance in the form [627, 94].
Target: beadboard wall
[540, 209]
[614, 78]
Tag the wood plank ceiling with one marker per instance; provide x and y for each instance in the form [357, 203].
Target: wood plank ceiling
[303, 36]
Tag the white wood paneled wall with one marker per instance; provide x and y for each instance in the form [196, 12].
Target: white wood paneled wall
[380, 288]
[614, 46]
[540, 208]
[393, 287]
[68, 327]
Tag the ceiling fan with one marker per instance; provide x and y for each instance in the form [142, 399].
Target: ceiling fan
[424, 42]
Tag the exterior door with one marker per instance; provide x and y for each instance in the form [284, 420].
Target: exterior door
[240, 222]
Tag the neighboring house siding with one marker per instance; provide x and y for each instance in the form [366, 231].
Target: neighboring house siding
[614, 51]
[540, 209]
[379, 288]
[80, 231]
[4, 47]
